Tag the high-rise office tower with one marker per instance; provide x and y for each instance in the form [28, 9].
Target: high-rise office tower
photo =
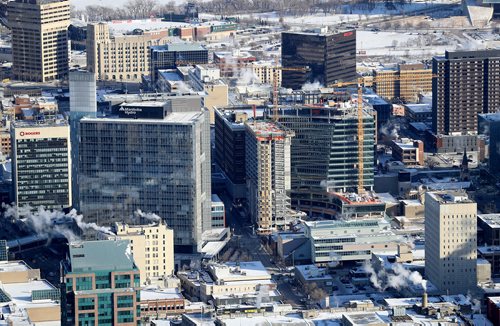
[325, 147]
[324, 153]
[331, 57]
[451, 241]
[82, 103]
[41, 163]
[268, 174]
[154, 157]
[39, 39]
[466, 83]
[101, 284]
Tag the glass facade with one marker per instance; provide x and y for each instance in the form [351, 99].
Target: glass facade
[330, 58]
[151, 165]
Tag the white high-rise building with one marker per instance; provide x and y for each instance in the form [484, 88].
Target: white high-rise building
[451, 241]
[82, 103]
[41, 163]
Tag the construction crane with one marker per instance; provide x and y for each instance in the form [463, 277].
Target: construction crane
[276, 69]
[360, 82]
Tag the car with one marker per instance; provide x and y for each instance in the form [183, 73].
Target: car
[349, 286]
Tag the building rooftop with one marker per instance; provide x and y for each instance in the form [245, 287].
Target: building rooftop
[169, 74]
[266, 129]
[102, 255]
[154, 293]
[171, 118]
[419, 108]
[312, 272]
[492, 220]
[58, 121]
[13, 266]
[492, 117]
[450, 197]
[232, 271]
[180, 46]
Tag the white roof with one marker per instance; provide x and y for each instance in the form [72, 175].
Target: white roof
[14, 266]
[244, 270]
[160, 294]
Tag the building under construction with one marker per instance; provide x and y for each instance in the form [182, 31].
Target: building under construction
[324, 157]
[268, 174]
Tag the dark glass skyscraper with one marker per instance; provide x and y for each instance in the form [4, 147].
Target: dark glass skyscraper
[330, 57]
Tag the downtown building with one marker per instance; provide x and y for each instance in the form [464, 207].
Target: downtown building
[467, 83]
[451, 241]
[171, 55]
[406, 82]
[39, 39]
[41, 163]
[153, 156]
[120, 57]
[330, 57]
[324, 159]
[100, 284]
[268, 174]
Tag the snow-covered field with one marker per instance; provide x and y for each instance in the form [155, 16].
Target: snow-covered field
[81, 4]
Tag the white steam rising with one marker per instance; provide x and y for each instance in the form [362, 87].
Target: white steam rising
[51, 223]
[397, 278]
[148, 216]
[308, 87]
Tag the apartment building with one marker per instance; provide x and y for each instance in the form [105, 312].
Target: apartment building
[406, 82]
[268, 174]
[265, 71]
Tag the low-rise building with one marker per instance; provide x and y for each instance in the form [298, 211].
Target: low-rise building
[311, 275]
[218, 212]
[352, 240]
[231, 285]
[407, 151]
[158, 303]
[418, 112]
[26, 298]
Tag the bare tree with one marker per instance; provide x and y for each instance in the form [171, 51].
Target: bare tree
[141, 8]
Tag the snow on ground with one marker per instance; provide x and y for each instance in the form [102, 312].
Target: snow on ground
[80, 4]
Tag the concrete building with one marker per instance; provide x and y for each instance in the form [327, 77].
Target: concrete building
[489, 248]
[155, 156]
[218, 212]
[409, 152]
[82, 103]
[457, 101]
[232, 63]
[208, 79]
[418, 112]
[101, 284]
[152, 247]
[41, 163]
[232, 285]
[158, 303]
[26, 298]
[406, 82]
[265, 72]
[268, 177]
[120, 57]
[172, 55]
[307, 275]
[39, 39]
[450, 241]
[331, 57]
[354, 240]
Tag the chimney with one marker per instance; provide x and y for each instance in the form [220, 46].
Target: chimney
[424, 300]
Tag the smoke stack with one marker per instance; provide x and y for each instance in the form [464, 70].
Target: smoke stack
[424, 300]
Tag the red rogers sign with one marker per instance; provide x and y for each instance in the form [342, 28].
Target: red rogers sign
[29, 133]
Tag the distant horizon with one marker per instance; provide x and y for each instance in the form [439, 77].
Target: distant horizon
[112, 3]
